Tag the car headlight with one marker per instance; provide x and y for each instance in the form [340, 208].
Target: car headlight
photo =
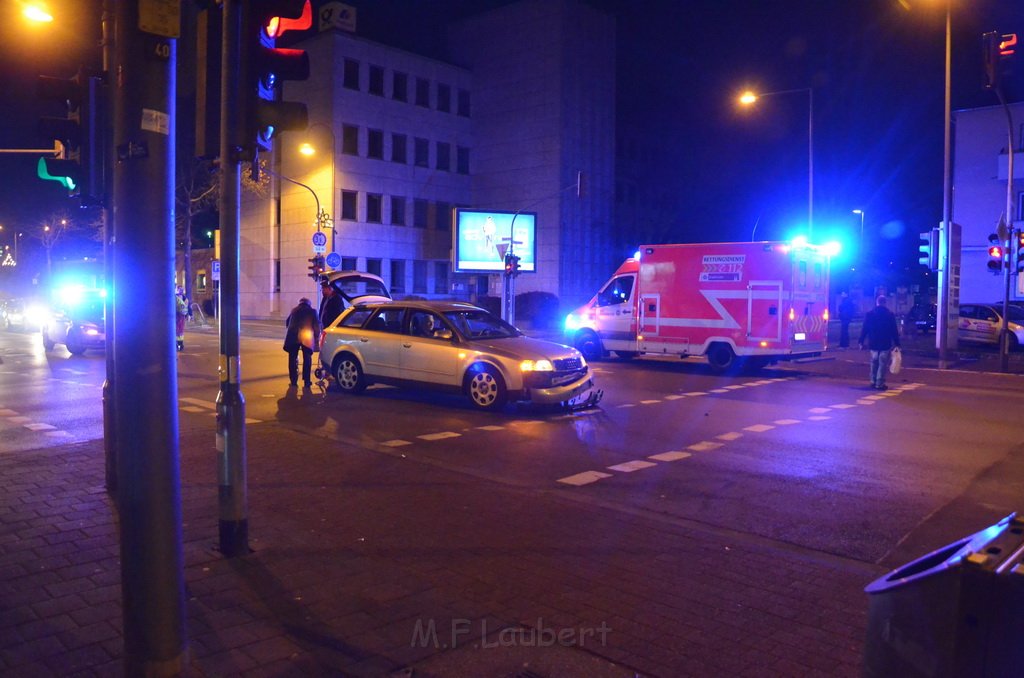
[536, 366]
[583, 361]
[571, 322]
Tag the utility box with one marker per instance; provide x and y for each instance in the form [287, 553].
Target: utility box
[958, 611]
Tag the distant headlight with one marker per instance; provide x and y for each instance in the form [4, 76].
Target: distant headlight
[536, 366]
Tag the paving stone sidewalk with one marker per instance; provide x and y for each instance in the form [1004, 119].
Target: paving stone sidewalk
[365, 563]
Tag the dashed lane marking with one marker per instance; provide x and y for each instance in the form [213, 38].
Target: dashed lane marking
[40, 427]
[719, 390]
[396, 443]
[818, 417]
[192, 408]
[758, 428]
[704, 446]
[865, 401]
[673, 396]
[57, 434]
[696, 393]
[626, 405]
[201, 403]
[733, 387]
[20, 420]
[820, 410]
[670, 456]
[8, 413]
[491, 427]
[630, 466]
[786, 422]
[649, 402]
[584, 478]
[732, 435]
[439, 436]
[842, 406]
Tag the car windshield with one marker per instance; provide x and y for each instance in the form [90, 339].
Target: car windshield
[479, 324]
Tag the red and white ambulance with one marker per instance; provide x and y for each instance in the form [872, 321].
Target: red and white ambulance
[755, 302]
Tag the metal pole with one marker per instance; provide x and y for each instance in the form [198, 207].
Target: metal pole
[1004, 335]
[233, 510]
[109, 392]
[148, 470]
[810, 164]
[942, 321]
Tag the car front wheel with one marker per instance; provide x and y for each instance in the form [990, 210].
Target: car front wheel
[486, 389]
[348, 374]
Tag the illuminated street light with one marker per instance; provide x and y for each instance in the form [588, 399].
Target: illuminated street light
[307, 149]
[861, 248]
[37, 13]
[748, 98]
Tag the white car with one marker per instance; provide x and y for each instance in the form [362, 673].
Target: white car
[452, 346]
[357, 287]
[982, 323]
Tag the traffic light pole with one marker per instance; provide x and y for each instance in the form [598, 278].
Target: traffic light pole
[233, 510]
[148, 469]
[1014, 241]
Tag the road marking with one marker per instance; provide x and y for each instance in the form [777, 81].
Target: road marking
[842, 406]
[249, 420]
[57, 434]
[759, 428]
[696, 393]
[865, 401]
[584, 478]
[202, 403]
[20, 420]
[649, 402]
[820, 410]
[630, 466]
[491, 427]
[192, 408]
[396, 443]
[673, 396]
[8, 413]
[818, 417]
[873, 397]
[786, 422]
[625, 405]
[719, 390]
[733, 387]
[704, 446]
[670, 456]
[439, 436]
[732, 435]
[40, 427]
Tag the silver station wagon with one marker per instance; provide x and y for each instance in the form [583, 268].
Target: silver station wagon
[452, 346]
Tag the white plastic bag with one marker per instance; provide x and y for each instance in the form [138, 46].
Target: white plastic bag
[896, 361]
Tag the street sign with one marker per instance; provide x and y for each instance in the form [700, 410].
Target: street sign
[334, 260]
[319, 249]
[215, 269]
[502, 248]
[319, 240]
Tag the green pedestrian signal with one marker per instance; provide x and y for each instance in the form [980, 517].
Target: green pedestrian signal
[64, 172]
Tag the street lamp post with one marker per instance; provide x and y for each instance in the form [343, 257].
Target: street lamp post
[308, 149]
[860, 248]
[748, 98]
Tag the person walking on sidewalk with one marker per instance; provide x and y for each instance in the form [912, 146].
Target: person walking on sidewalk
[180, 316]
[303, 330]
[846, 310]
[882, 336]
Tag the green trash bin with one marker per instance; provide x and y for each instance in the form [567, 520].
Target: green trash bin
[945, 613]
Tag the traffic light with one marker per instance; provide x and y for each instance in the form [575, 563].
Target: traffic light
[316, 266]
[996, 50]
[263, 65]
[511, 264]
[1019, 266]
[930, 249]
[996, 254]
[78, 165]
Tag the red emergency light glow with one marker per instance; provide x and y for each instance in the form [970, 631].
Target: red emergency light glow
[792, 314]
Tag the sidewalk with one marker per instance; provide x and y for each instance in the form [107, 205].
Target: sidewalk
[367, 564]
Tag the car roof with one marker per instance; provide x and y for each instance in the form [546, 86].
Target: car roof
[436, 306]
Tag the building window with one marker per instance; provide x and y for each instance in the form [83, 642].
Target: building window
[444, 216]
[419, 213]
[397, 275]
[444, 156]
[400, 87]
[373, 266]
[462, 160]
[374, 207]
[351, 79]
[348, 263]
[376, 80]
[398, 150]
[397, 210]
[444, 98]
[423, 92]
[375, 144]
[349, 205]
[419, 277]
[440, 277]
[201, 281]
[421, 152]
[350, 140]
[464, 103]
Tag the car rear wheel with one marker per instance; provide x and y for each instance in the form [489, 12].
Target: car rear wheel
[348, 374]
[74, 344]
[720, 357]
[486, 389]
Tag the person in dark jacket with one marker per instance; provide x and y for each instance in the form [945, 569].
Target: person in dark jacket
[302, 334]
[331, 305]
[882, 335]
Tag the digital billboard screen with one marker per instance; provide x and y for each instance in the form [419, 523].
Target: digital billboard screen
[481, 238]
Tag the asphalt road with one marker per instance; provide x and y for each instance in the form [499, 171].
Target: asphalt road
[805, 456]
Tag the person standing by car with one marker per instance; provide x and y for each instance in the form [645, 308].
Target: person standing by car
[331, 305]
[303, 329]
[882, 336]
[846, 310]
[180, 315]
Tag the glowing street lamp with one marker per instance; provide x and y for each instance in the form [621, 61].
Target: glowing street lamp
[749, 98]
[37, 13]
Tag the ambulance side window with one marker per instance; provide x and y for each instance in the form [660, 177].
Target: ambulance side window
[617, 291]
[802, 282]
[817, 275]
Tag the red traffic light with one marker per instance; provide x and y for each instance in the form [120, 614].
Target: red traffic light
[1008, 45]
[995, 252]
[277, 26]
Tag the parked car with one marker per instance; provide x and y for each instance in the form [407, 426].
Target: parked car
[453, 346]
[922, 317]
[76, 321]
[981, 324]
[22, 314]
[357, 287]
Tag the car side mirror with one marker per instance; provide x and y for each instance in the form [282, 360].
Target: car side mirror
[443, 334]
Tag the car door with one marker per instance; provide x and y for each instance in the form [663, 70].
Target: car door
[379, 342]
[428, 352]
[615, 322]
[989, 324]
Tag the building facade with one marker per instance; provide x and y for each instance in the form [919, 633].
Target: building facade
[980, 194]
[524, 106]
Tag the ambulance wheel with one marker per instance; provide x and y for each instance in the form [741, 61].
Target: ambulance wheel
[626, 355]
[589, 345]
[720, 357]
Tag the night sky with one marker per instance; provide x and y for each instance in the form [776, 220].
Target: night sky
[876, 67]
